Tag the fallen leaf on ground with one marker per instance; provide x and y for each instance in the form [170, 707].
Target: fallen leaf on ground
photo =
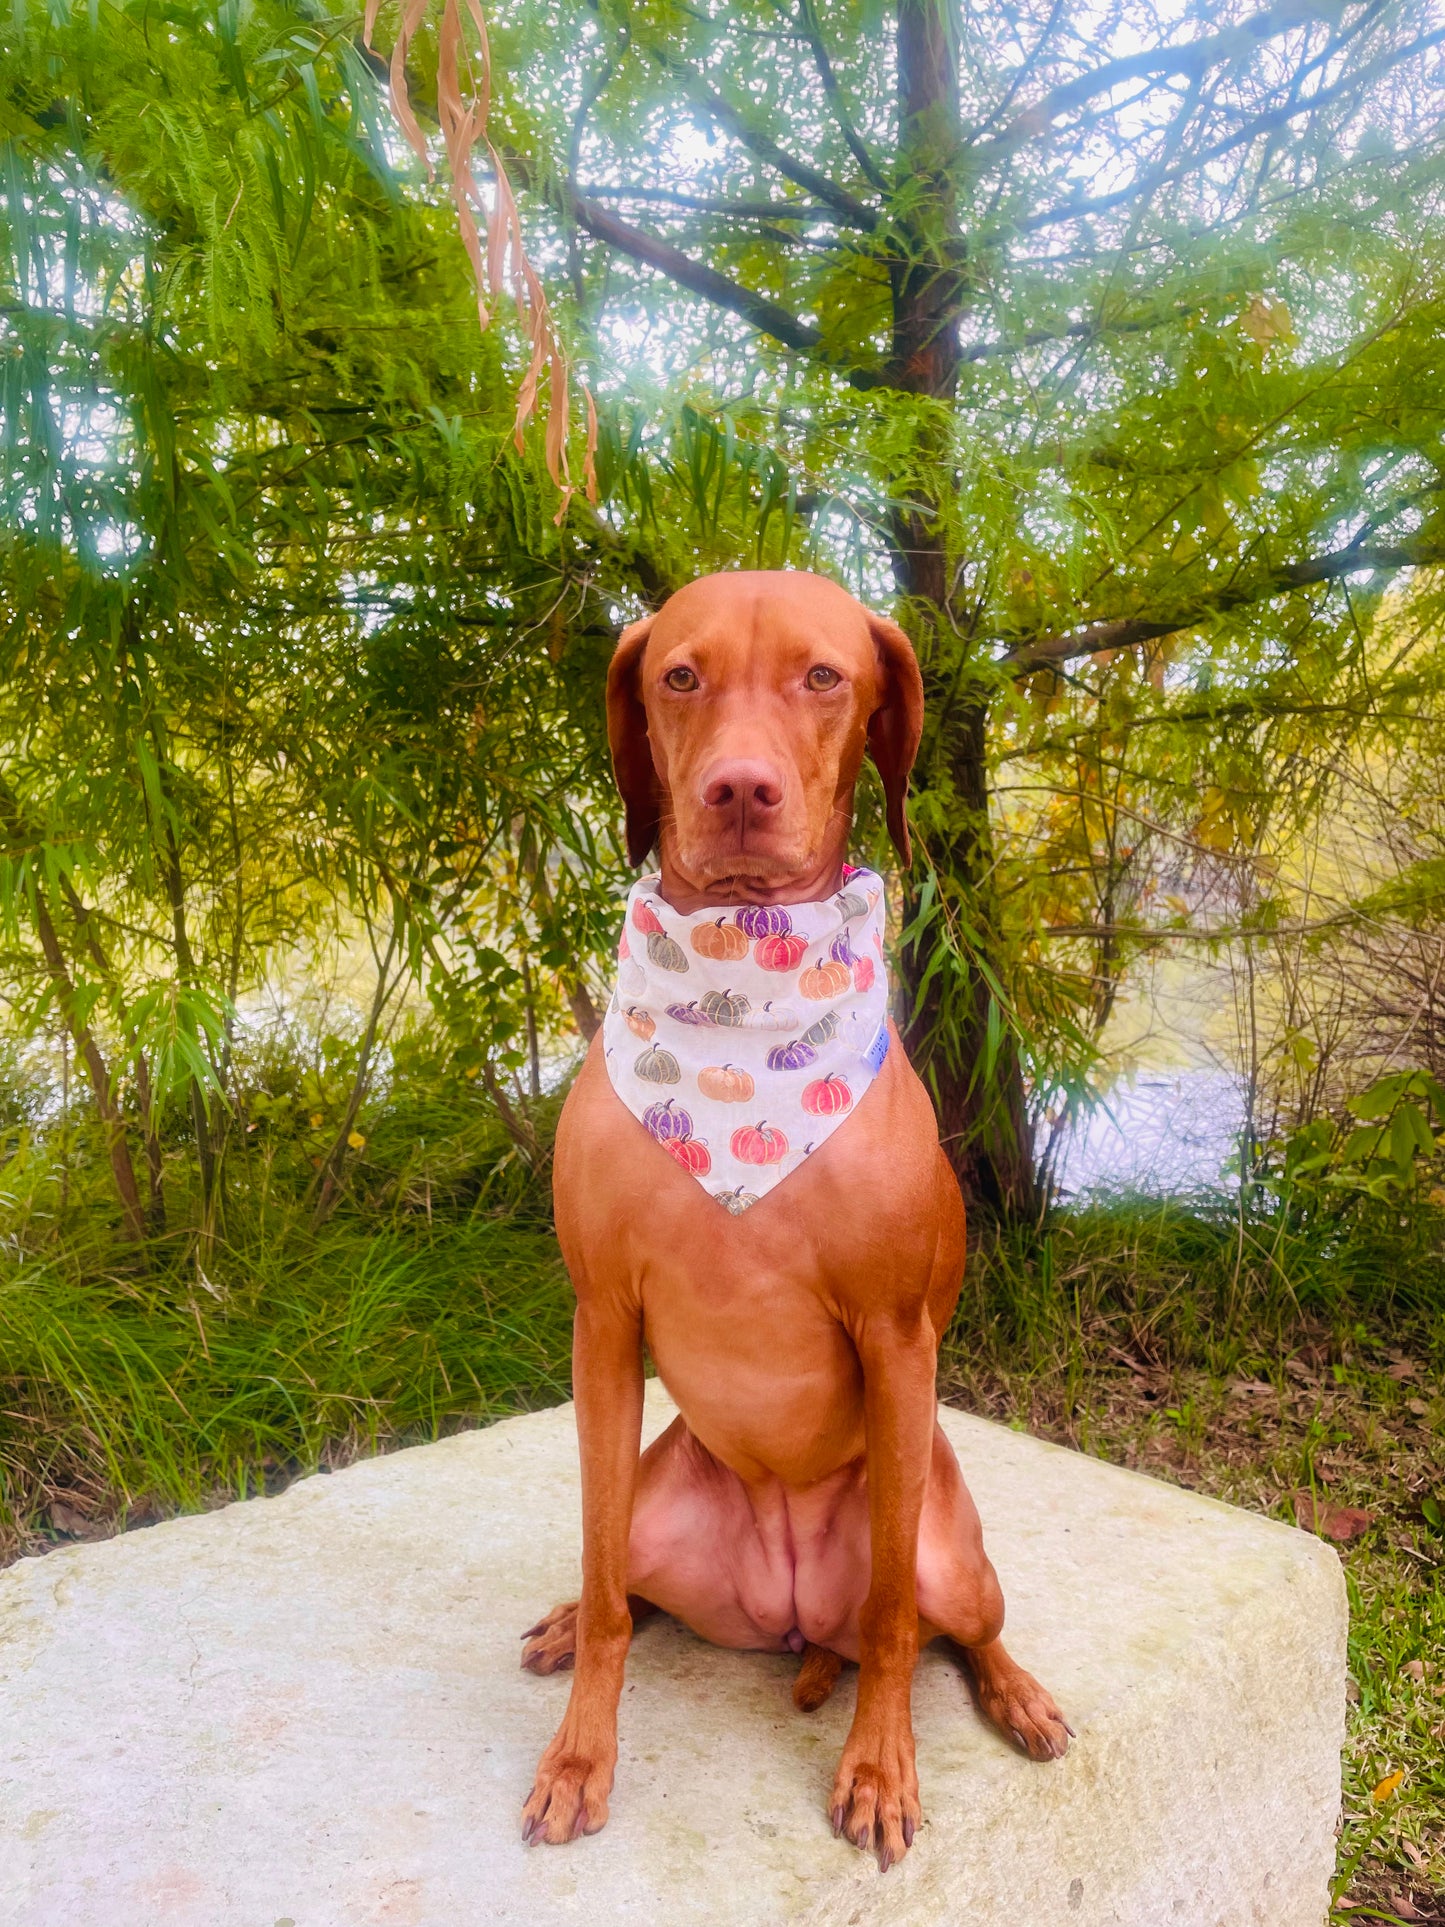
[1415, 1668]
[1419, 1407]
[1342, 1523]
[77, 1525]
[1405, 1907]
[1412, 1852]
[1386, 1787]
[1252, 1388]
[1403, 1368]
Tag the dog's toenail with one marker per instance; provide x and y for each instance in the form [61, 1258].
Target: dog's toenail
[837, 1817]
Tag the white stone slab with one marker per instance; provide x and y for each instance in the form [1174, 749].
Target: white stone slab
[309, 1710]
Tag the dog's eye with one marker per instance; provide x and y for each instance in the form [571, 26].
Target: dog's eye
[820, 676]
[680, 679]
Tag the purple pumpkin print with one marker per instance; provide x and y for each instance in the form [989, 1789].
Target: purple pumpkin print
[666, 1121]
[688, 1014]
[763, 920]
[794, 1056]
[841, 951]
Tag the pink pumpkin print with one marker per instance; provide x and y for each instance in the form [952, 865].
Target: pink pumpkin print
[827, 1096]
[691, 1153]
[780, 952]
[862, 973]
[624, 948]
[758, 1144]
[646, 919]
[763, 920]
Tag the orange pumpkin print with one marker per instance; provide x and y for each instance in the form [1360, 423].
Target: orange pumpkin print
[725, 1084]
[824, 979]
[758, 1144]
[638, 1022]
[721, 940]
[780, 953]
[827, 1096]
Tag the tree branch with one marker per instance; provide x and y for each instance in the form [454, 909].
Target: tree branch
[1270, 122]
[849, 208]
[1127, 632]
[868, 166]
[700, 204]
[1193, 57]
[756, 309]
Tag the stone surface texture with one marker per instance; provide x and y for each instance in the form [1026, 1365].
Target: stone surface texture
[309, 1710]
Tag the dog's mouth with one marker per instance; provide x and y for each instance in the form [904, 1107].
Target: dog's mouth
[741, 865]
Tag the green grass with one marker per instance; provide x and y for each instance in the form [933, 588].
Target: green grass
[145, 1390]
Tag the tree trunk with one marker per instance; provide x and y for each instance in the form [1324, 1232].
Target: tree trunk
[87, 1049]
[970, 1063]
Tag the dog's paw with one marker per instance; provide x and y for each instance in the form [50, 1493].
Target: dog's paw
[568, 1799]
[552, 1643]
[875, 1796]
[1021, 1709]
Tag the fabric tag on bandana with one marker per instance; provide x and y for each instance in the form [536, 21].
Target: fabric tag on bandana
[741, 1039]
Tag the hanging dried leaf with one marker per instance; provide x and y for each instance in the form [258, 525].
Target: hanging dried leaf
[464, 92]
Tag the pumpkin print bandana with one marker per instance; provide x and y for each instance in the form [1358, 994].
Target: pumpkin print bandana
[742, 1038]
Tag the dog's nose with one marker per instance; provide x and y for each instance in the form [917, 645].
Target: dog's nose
[751, 787]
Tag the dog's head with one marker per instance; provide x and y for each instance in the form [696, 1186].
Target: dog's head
[738, 717]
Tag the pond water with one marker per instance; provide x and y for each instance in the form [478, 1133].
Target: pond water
[1163, 1131]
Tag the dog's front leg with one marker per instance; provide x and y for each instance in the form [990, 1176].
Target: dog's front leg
[875, 1796]
[574, 1777]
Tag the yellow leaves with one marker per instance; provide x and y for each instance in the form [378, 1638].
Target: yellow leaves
[1268, 319]
[1302, 1050]
[1215, 828]
[316, 1120]
[356, 1140]
[1386, 1787]
[1223, 823]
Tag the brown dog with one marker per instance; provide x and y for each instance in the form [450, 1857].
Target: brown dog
[806, 1497]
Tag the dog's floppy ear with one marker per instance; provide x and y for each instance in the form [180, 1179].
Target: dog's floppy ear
[627, 738]
[896, 725]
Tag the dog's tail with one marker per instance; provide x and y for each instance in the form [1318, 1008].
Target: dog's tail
[816, 1679]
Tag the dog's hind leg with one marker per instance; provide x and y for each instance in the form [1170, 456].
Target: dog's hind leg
[816, 1679]
[552, 1643]
[959, 1597]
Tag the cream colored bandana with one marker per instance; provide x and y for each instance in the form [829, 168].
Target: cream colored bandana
[741, 1039]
